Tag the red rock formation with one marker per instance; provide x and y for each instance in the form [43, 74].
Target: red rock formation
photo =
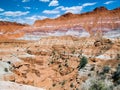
[99, 17]
[11, 30]
[10, 26]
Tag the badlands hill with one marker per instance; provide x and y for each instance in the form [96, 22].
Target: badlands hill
[100, 19]
[101, 15]
[52, 63]
[6, 26]
[11, 29]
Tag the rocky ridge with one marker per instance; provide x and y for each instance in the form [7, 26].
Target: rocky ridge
[100, 14]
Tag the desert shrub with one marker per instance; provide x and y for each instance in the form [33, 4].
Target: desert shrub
[59, 66]
[52, 62]
[77, 89]
[83, 62]
[96, 83]
[116, 76]
[63, 82]
[6, 69]
[29, 52]
[66, 65]
[106, 69]
[71, 85]
[73, 51]
[0, 59]
[99, 85]
[118, 57]
[54, 85]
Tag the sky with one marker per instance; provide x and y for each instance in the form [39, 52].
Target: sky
[27, 11]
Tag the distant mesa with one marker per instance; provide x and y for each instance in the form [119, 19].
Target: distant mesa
[90, 21]
[67, 15]
[101, 9]
[11, 23]
[111, 19]
[11, 30]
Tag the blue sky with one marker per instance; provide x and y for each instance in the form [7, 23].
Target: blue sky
[27, 11]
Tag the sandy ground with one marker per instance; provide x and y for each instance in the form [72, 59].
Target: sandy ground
[6, 85]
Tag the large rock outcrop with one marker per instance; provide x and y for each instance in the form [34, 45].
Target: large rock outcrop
[101, 15]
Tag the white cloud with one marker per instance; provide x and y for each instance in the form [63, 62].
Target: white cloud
[5, 19]
[25, 0]
[74, 9]
[109, 2]
[56, 16]
[54, 3]
[35, 17]
[44, 0]
[28, 20]
[88, 4]
[1, 9]
[59, 7]
[27, 8]
[14, 13]
[51, 11]
[31, 19]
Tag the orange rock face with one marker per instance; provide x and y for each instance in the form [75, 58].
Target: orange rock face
[102, 16]
[55, 66]
[11, 30]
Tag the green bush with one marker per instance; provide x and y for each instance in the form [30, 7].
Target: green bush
[116, 76]
[54, 85]
[83, 62]
[6, 69]
[71, 85]
[29, 52]
[106, 69]
[77, 89]
[63, 82]
[98, 85]
[118, 57]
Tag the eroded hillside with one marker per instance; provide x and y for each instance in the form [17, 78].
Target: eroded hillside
[56, 63]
